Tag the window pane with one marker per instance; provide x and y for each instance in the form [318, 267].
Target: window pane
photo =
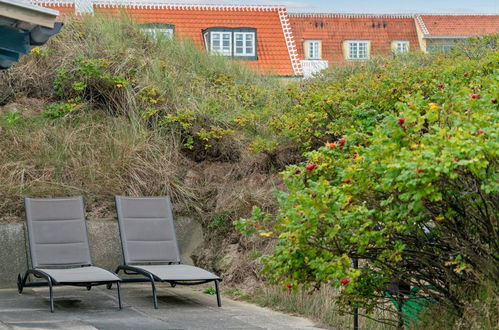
[246, 47]
[363, 50]
[216, 41]
[353, 50]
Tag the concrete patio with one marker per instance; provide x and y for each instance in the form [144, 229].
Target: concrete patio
[179, 308]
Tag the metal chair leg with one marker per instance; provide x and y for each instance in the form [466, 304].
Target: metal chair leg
[217, 287]
[20, 282]
[119, 294]
[51, 294]
[154, 297]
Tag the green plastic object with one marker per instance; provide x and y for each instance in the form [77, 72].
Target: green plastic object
[412, 306]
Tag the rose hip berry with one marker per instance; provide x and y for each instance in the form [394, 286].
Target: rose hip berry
[310, 167]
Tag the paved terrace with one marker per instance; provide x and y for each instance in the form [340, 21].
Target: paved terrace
[179, 308]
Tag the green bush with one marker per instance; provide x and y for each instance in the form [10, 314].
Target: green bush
[406, 181]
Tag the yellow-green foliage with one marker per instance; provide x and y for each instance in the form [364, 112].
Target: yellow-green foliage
[104, 109]
[109, 64]
[407, 182]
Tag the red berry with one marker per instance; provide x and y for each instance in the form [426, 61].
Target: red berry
[342, 141]
[456, 159]
[466, 74]
[310, 167]
[493, 101]
[420, 170]
[331, 145]
[347, 181]
[341, 147]
[441, 85]
[474, 96]
[401, 121]
[479, 132]
[289, 286]
[345, 281]
[378, 76]
[355, 156]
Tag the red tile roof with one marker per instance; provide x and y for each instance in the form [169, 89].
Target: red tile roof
[458, 25]
[276, 53]
[334, 29]
[64, 8]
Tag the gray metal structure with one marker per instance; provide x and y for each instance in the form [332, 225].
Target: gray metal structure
[59, 247]
[150, 247]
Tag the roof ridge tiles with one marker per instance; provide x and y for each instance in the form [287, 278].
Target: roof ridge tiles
[163, 4]
[457, 14]
[190, 7]
[401, 15]
[353, 15]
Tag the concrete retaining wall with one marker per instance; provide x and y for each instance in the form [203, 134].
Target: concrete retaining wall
[104, 244]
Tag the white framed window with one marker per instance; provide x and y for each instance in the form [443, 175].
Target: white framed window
[221, 43]
[245, 44]
[401, 46]
[358, 49]
[313, 49]
[233, 42]
[158, 30]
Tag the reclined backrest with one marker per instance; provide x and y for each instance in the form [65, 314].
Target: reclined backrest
[57, 232]
[147, 230]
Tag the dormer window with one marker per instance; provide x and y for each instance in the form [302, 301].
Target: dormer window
[157, 30]
[313, 49]
[233, 42]
[400, 46]
[357, 50]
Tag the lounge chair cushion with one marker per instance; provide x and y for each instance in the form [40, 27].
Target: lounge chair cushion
[57, 232]
[80, 275]
[147, 229]
[178, 272]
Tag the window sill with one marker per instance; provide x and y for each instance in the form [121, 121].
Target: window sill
[245, 58]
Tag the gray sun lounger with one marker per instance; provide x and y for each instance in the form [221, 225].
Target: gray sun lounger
[150, 245]
[59, 248]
